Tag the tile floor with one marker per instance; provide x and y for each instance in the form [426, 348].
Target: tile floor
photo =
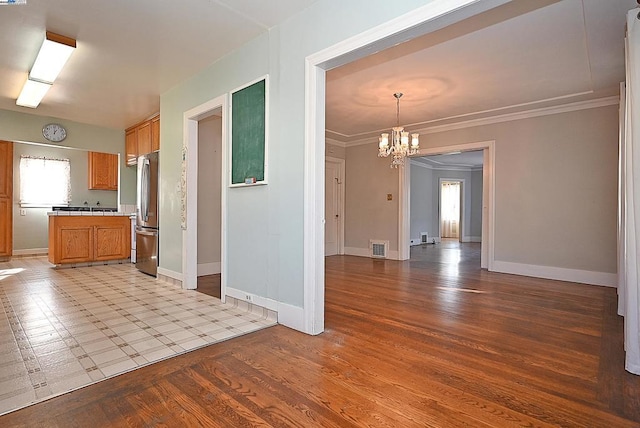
[62, 329]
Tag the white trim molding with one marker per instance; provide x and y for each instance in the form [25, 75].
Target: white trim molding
[209, 268]
[560, 274]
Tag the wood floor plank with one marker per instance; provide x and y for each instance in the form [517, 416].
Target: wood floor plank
[433, 342]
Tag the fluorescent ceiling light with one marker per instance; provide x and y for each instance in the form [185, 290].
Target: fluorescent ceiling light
[32, 93]
[13, 2]
[53, 55]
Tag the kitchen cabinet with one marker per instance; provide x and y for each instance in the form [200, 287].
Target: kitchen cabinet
[142, 138]
[131, 146]
[155, 133]
[6, 199]
[103, 171]
[82, 239]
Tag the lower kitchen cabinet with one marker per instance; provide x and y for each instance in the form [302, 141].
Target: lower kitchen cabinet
[81, 239]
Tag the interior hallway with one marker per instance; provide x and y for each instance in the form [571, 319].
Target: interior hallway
[434, 341]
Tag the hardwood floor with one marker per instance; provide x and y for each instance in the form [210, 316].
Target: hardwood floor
[434, 341]
[210, 285]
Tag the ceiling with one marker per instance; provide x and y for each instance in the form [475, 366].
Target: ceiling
[457, 160]
[525, 55]
[128, 52]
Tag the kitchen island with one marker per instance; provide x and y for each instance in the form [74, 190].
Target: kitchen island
[81, 237]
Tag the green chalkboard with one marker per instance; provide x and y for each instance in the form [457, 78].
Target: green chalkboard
[248, 134]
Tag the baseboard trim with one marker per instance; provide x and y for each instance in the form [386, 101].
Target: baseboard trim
[561, 274]
[252, 298]
[31, 252]
[472, 239]
[365, 252]
[292, 317]
[287, 315]
[169, 276]
[209, 268]
[265, 313]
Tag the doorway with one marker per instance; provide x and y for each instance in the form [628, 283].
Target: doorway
[451, 201]
[209, 203]
[420, 21]
[203, 115]
[334, 206]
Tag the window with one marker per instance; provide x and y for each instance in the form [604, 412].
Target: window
[44, 182]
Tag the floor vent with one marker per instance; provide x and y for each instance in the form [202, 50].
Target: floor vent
[424, 238]
[378, 249]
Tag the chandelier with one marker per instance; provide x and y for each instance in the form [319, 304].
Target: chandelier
[399, 146]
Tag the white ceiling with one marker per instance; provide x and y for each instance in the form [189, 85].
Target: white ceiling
[524, 55]
[128, 51]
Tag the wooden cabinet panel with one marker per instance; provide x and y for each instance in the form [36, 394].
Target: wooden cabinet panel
[131, 146]
[79, 239]
[75, 244]
[6, 199]
[103, 171]
[144, 138]
[155, 134]
[110, 242]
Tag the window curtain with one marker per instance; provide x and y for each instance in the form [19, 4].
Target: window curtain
[44, 182]
[629, 198]
[450, 209]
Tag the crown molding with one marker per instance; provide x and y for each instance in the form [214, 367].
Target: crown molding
[444, 167]
[508, 117]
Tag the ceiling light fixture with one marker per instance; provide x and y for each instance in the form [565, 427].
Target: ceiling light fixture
[399, 146]
[53, 55]
[12, 2]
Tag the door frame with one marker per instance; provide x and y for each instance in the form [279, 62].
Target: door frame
[190, 192]
[342, 181]
[422, 20]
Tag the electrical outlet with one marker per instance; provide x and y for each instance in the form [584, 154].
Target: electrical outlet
[248, 298]
[23, 211]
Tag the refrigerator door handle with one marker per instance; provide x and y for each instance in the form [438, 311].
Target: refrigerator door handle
[145, 190]
[146, 232]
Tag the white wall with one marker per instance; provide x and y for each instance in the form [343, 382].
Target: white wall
[209, 193]
[265, 223]
[368, 213]
[422, 208]
[475, 228]
[555, 185]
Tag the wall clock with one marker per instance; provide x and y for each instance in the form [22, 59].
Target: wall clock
[54, 132]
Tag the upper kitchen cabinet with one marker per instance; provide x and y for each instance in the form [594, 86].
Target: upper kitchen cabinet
[155, 133]
[142, 138]
[103, 171]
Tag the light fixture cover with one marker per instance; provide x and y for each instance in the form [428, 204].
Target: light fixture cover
[32, 93]
[53, 55]
[12, 2]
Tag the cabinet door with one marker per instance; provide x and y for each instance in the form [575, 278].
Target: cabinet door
[155, 134]
[6, 199]
[144, 138]
[103, 171]
[112, 242]
[75, 244]
[131, 146]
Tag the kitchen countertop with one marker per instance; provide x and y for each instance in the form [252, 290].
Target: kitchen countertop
[88, 213]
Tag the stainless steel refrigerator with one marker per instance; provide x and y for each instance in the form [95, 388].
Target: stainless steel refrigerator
[147, 214]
